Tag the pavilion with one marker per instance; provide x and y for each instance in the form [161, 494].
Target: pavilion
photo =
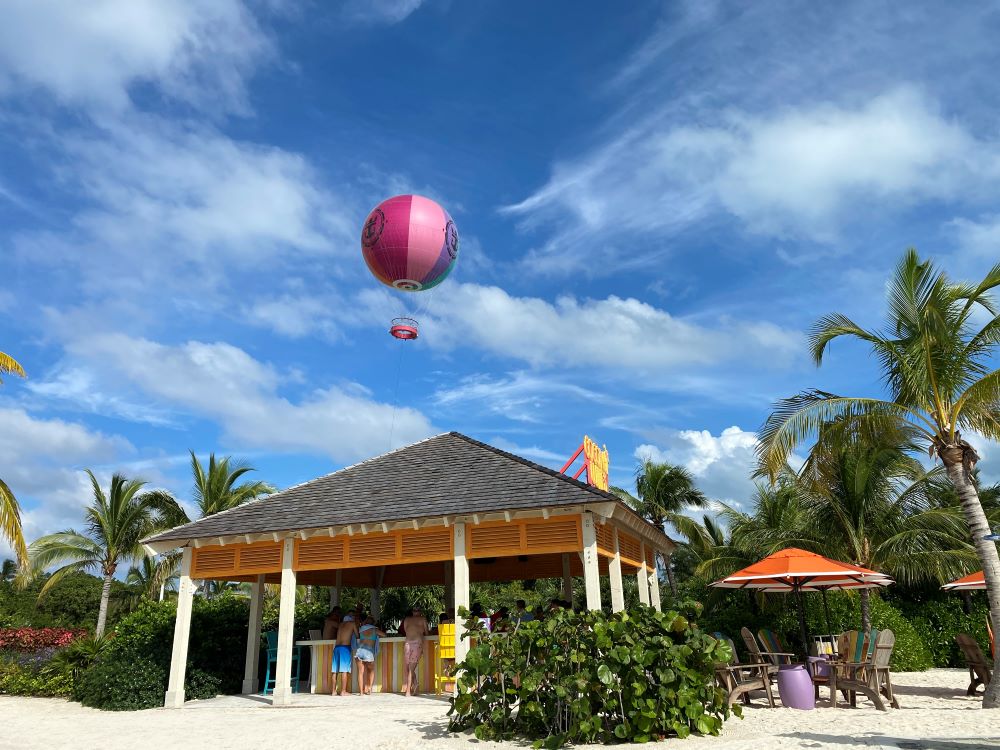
[448, 510]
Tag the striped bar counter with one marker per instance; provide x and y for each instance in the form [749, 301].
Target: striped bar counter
[388, 666]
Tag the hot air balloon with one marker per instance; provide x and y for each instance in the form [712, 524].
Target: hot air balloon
[410, 243]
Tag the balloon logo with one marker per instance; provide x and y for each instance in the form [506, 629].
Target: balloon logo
[410, 243]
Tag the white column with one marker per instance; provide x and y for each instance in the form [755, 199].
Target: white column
[376, 597]
[250, 681]
[591, 572]
[654, 587]
[461, 591]
[335, 590]
[286, 628]
[567, 590]
[174, 697]
[642, 577]
[615, 574]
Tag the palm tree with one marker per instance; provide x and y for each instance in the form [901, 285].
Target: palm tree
[935, 361]
[116, 522]
[661, 490]
[215, 490]
[10, 511]
[873, 503]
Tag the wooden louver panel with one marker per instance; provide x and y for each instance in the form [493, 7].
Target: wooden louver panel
[319, 554]
[373, 549]
[495, 538]
[628, 547]
[213, 561]
[435, 545]
[552, 536]
[260, 558]
[649, 558]
[605, 538]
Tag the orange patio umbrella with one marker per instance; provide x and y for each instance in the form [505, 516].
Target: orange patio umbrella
[971, 582]
[797, 570]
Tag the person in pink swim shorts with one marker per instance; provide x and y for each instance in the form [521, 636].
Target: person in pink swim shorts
[415, 629]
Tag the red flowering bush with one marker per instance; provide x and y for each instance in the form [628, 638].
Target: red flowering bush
[29, 640]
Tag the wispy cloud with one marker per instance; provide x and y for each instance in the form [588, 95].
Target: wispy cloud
[380, 11]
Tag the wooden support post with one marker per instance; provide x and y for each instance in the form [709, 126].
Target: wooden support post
[642, 577]
[335, 589]
[286, 628]
[461, 593]
[567, 587]
[376, 598]
[250, 681]
[174, 697]
[591, 572]
[615, 574]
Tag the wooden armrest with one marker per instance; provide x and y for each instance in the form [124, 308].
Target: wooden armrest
[775, 653]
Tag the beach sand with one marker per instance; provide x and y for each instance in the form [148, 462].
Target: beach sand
[935, 714]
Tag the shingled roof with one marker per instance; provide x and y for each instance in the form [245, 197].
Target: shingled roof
[450, 474]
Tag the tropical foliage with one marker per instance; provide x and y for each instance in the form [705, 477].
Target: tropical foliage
[591, 677]
[10, 511]
[116, 522]
[935, 354]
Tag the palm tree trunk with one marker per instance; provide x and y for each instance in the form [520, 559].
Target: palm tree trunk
[102, 613]
[866, 611]
[670, 575]
[955, 459]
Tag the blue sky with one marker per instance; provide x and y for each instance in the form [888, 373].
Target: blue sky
[655, 203]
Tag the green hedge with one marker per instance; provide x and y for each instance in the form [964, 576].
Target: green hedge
[592, 677]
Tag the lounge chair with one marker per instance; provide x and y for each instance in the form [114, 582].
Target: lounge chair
[739, 680]
[869, 677]
[979, 670]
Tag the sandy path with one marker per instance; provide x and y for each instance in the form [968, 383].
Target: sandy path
[935, 715]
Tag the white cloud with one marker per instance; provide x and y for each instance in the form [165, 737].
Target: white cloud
[94, 54]
[979, 239]
[42, 460]
[612, 333]
[76, 388]
[294, 315]
[800, 170]
[380, 11]
[223, 383]
[721, 464]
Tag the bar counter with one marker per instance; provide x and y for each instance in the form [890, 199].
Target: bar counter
[388, 666]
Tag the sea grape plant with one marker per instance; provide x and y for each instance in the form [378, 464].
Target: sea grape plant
[592, 677]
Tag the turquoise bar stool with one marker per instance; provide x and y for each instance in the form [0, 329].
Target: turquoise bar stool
[272, 664]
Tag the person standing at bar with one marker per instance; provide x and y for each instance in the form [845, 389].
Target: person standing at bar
[342, 653]
[415, 628]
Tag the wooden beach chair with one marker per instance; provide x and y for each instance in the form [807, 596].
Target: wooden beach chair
[739, 680]
[979, 670]
[446, 655]
[773, 659]
[869, 677]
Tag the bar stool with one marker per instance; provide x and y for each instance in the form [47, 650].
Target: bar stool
[272, 664]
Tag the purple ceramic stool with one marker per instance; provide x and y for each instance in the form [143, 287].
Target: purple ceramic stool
[795, 687]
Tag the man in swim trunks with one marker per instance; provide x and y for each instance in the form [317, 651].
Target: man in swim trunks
[415, 628]
[342, 654]
[331, 623]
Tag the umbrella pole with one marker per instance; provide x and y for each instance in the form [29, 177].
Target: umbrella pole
[826, 609]
[802, 621]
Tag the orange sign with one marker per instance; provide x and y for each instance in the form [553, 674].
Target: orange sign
[597, 464]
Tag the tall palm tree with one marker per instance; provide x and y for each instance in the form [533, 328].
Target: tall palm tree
[116, 522]
[661, 490]
[10, 511]
[216, 488]
[872, 500]
[935, 362]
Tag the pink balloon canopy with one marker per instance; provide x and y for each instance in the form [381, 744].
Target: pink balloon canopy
[409, 242]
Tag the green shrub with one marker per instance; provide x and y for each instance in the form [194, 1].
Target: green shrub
[199, 684]
[939, 620]
[115, 683]
[18, 678]
[592, 677]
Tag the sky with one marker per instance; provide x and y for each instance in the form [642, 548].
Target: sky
[655, 200]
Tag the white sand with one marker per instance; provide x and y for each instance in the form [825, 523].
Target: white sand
[935, 714]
